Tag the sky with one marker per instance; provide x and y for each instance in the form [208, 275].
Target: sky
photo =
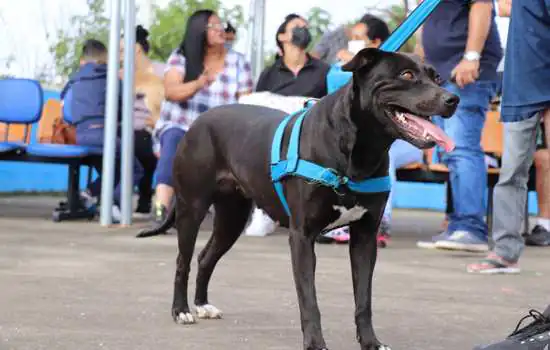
[24, 24]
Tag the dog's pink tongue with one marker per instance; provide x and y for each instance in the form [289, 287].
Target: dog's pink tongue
[435, 132]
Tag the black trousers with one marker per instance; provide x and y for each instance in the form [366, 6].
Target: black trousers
[144, 153]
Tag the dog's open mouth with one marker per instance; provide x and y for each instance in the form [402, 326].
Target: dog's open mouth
[422, 129]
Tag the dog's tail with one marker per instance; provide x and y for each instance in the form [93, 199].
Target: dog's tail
[164, 226]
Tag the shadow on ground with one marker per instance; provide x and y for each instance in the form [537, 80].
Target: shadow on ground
[78, 286]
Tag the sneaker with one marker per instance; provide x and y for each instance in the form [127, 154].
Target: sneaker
[431, 243]
[383, 236]
[382, 239]
[539, 237]
[116, 214]
[260, 225]
[493, 265]
[159, 213]
[534, 336]
[463, 241]
[88, 201]
[143, 210]
[337, 235]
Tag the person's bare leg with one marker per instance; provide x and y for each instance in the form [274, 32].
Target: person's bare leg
[542, 166]
[164, 194]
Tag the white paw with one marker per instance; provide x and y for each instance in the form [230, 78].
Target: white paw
[208, 311]
[384, 347]
[185, 318]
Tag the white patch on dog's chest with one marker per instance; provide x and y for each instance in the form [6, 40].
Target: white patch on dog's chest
[347, 215]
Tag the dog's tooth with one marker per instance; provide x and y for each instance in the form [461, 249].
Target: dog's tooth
[425, 134]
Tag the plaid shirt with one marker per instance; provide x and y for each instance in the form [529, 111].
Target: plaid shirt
[236, 78]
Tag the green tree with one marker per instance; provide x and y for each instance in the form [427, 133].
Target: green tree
[169, 22]
[69, 42]
[319, 21]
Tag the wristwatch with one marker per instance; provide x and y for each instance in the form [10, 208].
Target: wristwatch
[472, 56]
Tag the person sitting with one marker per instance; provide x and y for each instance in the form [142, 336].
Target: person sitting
[295, 72]
[201, 73]
[333, 43]
[88, 100]
[149, 94]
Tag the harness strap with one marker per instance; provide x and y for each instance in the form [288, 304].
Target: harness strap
[294, 166]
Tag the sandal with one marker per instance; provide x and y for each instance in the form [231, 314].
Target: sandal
[493, 265]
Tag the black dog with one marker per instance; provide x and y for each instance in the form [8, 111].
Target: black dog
[224, 160]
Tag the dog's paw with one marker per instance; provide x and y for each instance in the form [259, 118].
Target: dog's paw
[185, 318]
[208, 311]
[383, 347]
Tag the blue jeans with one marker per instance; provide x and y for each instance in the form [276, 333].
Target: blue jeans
[401, 154]
[169, 141]
[466, 163]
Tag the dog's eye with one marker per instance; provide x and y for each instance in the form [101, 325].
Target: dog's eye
[407, 75]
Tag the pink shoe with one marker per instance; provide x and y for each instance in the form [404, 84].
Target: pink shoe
[493, 265]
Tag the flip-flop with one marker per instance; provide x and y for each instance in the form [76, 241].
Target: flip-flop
[493, 266]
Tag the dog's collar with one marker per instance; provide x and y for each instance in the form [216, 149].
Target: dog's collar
[294, 166]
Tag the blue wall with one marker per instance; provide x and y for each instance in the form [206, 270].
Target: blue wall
[35, 177]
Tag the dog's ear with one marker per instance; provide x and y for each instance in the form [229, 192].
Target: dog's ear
[433, 74]
[362, 59]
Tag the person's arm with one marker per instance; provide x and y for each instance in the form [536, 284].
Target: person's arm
[504, 8]
[175, 90]
[467, 71]
[174, 87]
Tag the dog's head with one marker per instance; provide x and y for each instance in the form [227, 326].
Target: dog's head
[403, 94]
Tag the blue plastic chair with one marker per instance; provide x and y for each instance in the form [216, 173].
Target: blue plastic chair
[21, 102]
[63, 151]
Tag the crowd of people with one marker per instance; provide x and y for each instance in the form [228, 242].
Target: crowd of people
[461, 42]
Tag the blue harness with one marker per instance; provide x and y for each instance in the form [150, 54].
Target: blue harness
[294, 166]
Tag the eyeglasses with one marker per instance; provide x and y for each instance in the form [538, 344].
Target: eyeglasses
[216, 26]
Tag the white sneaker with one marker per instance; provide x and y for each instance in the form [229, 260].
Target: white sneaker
[261, 224]
[116, 214]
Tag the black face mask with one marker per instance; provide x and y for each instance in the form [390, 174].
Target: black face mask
[301, 37]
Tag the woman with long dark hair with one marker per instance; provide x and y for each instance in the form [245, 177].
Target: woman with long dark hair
[201, 74]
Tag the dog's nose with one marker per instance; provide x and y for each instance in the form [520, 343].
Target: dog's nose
[450, 100]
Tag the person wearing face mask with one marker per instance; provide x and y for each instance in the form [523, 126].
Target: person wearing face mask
[295, 72]
[371, 31]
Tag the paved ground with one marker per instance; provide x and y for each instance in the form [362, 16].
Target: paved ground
[77, 286]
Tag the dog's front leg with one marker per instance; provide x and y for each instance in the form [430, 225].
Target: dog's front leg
[362, 248]
[302, 248]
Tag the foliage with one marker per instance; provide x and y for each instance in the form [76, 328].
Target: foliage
[168, 27]
[166, 31]
[66, 50]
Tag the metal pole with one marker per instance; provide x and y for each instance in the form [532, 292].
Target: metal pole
[111, 112]
[126, 171]
[258, 58]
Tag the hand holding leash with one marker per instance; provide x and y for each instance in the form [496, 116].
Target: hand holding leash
[466, 72]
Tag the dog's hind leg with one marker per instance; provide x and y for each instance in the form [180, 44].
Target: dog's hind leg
[363, 249]
[189, 216]
[232, 212]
